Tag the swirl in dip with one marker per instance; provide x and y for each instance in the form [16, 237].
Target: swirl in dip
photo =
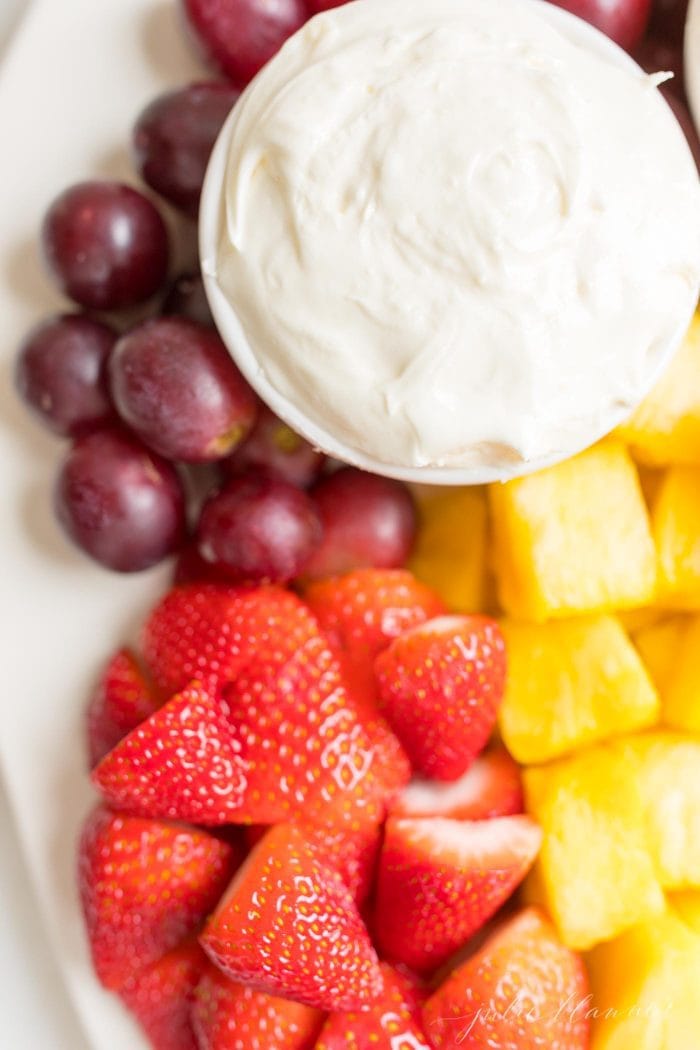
[454, 236]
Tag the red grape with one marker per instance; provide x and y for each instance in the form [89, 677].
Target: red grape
[105, 245]
[624, 21]
[323, 5]
[659, 56]
[668, 20]
[61, 372]
[367, 520]
[259, 528]
[174, 383]
[275, 447]
[186, 298]
[119, 503]
[173, 139]
[239, 36]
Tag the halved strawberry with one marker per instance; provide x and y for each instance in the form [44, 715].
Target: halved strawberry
[522, 990]
[144, 887]
[305, 743]
[350, 848]
[440, 880]
[288, 926]
[122, 699]
[491, 787]
[363, 611]
[161, 997]
[440, 685]
[228, 1015]
[211, 632]
[182, 763]
[393, 1021]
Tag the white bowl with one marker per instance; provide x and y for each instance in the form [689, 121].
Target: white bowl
[243, 353]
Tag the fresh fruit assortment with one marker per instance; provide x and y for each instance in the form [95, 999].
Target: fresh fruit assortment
[313, 828]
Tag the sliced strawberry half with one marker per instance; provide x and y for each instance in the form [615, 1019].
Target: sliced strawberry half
[523, 990]
[210, 633]
[182, 763]
[145, 886]
[350, 848]
[440, 880]
[305, 742]
[491, 787]
[228, 1015]
[122, 699]
[288, 926]
[440, 686]
[161, 997]
[393, 1021]
[363, 611]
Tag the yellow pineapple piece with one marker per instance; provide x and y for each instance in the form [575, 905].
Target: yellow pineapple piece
[450, 550]
[644, 988]
[572, 683]
[574, 538]
[594, 871]
[676, 527]
[666, 427]
[634, 620]
[660, 646]
[681, 695]
[667, 768]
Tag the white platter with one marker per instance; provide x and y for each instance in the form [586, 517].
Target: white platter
[77, 74]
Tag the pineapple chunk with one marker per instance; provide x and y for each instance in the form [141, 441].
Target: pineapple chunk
[666, 427]
[574, 538]
[681, 700]
[594, 869]
[660, 647]
[644, 988]
[634, 620]
[676, 526]
[572, 683]
[668, 772]
[450, 550]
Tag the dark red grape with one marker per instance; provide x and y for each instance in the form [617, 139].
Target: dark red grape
[624, 21]
[173, 139]
[668, 20]
[61, 373]
[367, 520]
[315, 6]
[186, 298]
[238, 37]
[119, 502]
[275, 447]
[259, 528]
[105, 245]
[659, 56]
[174, 383]
[190, 567]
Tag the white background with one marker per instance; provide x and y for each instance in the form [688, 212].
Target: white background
[34, 1010]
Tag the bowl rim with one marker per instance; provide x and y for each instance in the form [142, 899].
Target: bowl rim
[238, 345]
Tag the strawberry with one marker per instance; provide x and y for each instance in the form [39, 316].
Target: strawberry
[305, 743]
[352, 849]
[440, 880]
[122, 699]
[393, 1021]
[523, 990]
[288, 926]
[491, 787]
[363, 611]
[182, 763]
[232, 1016]
[144, 887]
[440, 685]
[211, 632]
[161, 997]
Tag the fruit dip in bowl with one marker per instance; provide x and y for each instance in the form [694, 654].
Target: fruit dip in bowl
[451, 242]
